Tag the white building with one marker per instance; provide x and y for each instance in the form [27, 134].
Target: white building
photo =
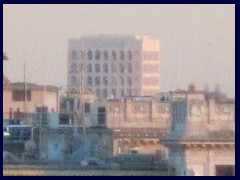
[17, 98]
[114, 65]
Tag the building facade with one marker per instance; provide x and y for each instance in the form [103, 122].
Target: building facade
[138, 124]
[202, 136]
[114, 65]
[17, 98]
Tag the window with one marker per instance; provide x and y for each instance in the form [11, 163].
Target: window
[97, 55]
[73, 68]
[114, 55]
[105, 80]
[121, 55]
[97, 68]
[89, 68]
[114, 93]
[101, 116]
[130, 55]
[105, 67]
[105, 93]
[90, 55]
[113, 68]
[121, 68]
[73, 81]
[87, 107]
[89, 81]
[19, 95]
[122, 81]
[74, 55]
[129, 81]
[105, 55]
[97, 81]
[130, 68]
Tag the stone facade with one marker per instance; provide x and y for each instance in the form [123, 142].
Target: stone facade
[114, 65]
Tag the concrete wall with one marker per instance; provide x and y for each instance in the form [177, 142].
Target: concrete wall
[37, 99]
[138, 114]
[202, 161]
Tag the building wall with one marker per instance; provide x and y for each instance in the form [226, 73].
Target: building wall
[144, 65]
[141, 146]
[37, 99]
[138, 114]
[202, 115]
[202, 161]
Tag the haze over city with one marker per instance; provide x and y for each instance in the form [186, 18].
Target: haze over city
[197, 42]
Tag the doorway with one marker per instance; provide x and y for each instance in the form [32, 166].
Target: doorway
[225, 170]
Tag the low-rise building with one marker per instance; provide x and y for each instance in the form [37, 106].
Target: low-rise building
[202, 137]
[29, 98]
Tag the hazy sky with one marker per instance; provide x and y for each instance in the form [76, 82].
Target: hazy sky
[197, 41]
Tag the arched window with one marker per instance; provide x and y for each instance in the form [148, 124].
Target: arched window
[113, 81]
[97, 81]
[73, 81]
[121, 55]
[130, 57]
[89, 81]
[105, 80]
[129, 81]
[97, 68]
[114, 55]
[105, 67]
[130, 68]
[89, 68]
[113, 68]
[122, 80]
[105, 93]
[121, 68]
[74, 55]
[105, 55]
[90, 55]
[97, 55]
[73, 68]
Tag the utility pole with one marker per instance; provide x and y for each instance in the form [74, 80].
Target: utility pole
[25, 89]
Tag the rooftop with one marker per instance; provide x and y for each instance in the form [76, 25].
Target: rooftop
[30, 86]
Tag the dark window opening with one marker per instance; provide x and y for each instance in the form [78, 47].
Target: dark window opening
[87, 107]
[19, 95]
[114, 55]
[97, 55]
[101, 116]
[90, 55]
[74, 55]
[121, 55]
[225, 170]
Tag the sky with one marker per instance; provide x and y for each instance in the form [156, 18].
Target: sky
[197, 42]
